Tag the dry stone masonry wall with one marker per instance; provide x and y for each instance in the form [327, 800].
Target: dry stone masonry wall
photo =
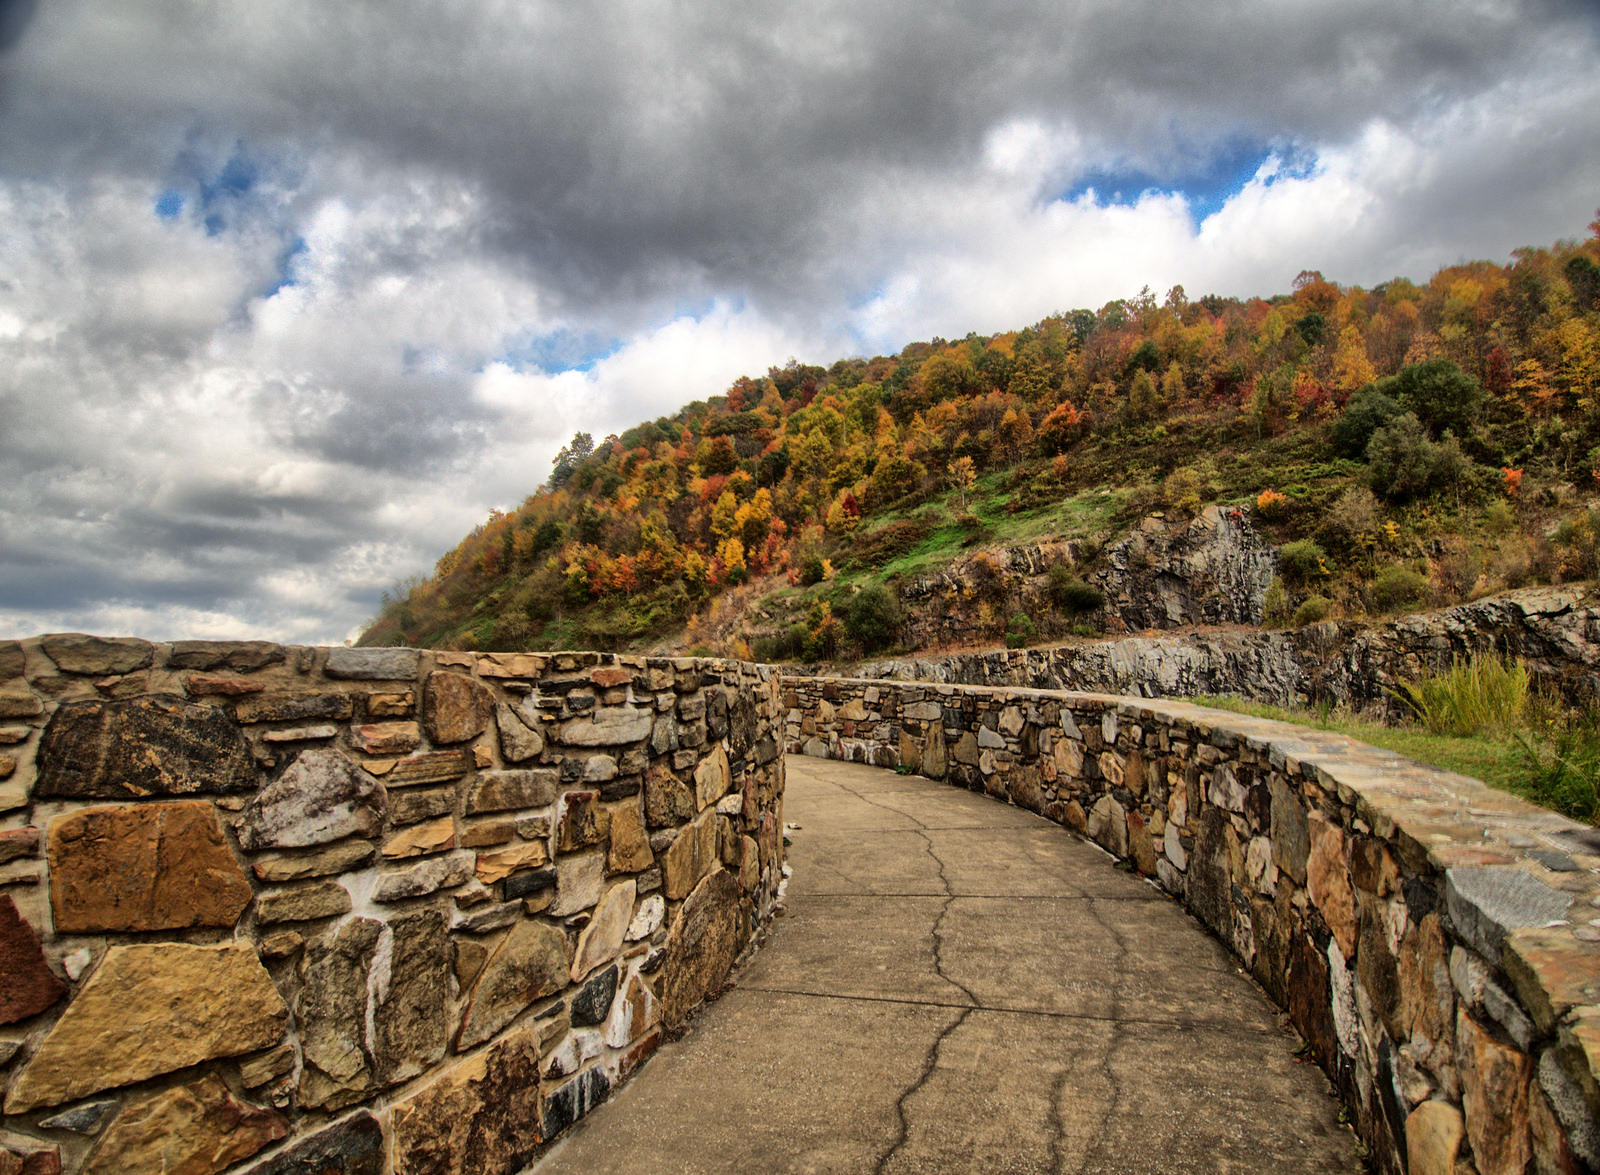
[350, 911]
[1437, 943]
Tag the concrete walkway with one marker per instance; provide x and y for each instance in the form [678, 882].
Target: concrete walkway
[961, 986]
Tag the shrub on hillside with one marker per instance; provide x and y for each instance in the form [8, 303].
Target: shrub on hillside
[1397, 588]
[1070, 594]
[891, 541]
[1311, 611]
[1367, 412]
[1404, 464]
[1021, 632]
[1302, 561]
[872, 619]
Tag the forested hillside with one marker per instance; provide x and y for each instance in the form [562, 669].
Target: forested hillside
[1405, 445]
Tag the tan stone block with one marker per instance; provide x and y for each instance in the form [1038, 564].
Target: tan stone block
[525, 665]
[455, 708]
[387, 738]
[629, 850]
[692, 854]
[482, 1115]
[529, 963]
[435, 836]
[711, 777]
[601, 940]
[195, 1129]
[482, 756]
[429, 767]
[1494, 1096]
[143, 867]
[705, 939]
[121, 1028]
[1433, 1139]
[1328, 881]
[391, 705]
[493, 867]
[327, 899]
[336, 858]
[610, 677]
[488, 833]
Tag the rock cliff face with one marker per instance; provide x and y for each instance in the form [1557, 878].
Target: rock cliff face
[1556, 631]
[1216, 570]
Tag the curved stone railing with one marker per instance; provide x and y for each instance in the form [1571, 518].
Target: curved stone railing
[290, 910]
[1437, 943]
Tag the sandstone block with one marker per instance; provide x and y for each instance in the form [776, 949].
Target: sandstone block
[706, 937]
[1494, 1096]
[455, 708]
[667, 799]
[1433, 1139]
[580, 879]
[1291, 835]
[28, 1157]
[238, 656]
[391, 705]
[409, 807]
[692, 855]
[409, 1022]
[19, 704]
[121, 1027]
[520, 738]
[326, 899]
[387, 738]
[195, 1129]
[504, 791]
[330, 1012]
[633, 1016]
[493, 867]
[435, 836]
[601, 940]
[609, 726]
[578, 822]
[1487, 902]
[711, 778]
[529, 963]
[293, 707]
[146, 746]
[96, 656]
[202, 685]
[320, 797]
[427, 876]
[529, 665]
[1108, 826]
[143, 867]
[27, 985]
[430, 767]
[337, 858]
[481, 1115]
[629, 849]
[12, 663]
[1328, 882]
[372, 664]
[16, 843]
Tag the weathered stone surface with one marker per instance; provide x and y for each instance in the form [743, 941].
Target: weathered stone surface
[96, 655]
[200, 685]
[409, 807]
[629, 850]
[27, 1157]
[711, 778]
[455, 708]
[481, 1115]
[533, 882]
[84, 1118]
[692, 854]
[430, 767]
[436, 836]
[293, 707]
[1426, 1001]
[326, 899]
[520, 739]
[410, 1028]
[1328, 882]
[255, 1072]
[148, 746]
[1108, 826]
[1494, 1096]
[493, 867]
[372, 664]
[529, 963]
[570, 1102]
[504, 791]
[1433, 1139]
[1487, 902]
[1291, 836]
[593, 1000]
[318, 732]
[1212, 864]
[634, 1015]
[668, 801]
[652, 911]
[143, 867]
[337, 858]
[27, 985]
[512, 664]
[387, 738]
[704, 941]
[239, 656]
[11, 660]
[578, 821]
[320, 797]
[602, 938]
[488, 833]
[579, 881]
[425, 877]
[352, 1147]
[609, 726]
[195, 1129]
[121, 1026]
[400, 704]
[330, 1012]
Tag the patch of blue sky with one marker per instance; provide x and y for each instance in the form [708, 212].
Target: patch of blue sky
[286, 266]
[170, 203]
[1205, 183]
[563, 349]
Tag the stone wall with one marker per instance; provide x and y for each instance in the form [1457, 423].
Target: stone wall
[1437, 943]
[357, 911]
[1554, 631]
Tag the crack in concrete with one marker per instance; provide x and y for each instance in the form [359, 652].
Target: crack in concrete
[929, 1065]
[1108, 1057]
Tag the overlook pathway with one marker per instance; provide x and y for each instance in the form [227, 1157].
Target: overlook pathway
[961, 986]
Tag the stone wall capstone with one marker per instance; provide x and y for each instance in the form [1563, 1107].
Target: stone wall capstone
[1437, 943]
[279, 910]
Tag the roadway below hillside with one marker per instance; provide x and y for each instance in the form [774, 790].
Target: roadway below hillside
[961, 986]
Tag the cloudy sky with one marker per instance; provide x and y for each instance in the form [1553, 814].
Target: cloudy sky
[292, 292]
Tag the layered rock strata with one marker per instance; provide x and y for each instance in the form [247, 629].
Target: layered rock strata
[1435, 942]
[277, 910]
